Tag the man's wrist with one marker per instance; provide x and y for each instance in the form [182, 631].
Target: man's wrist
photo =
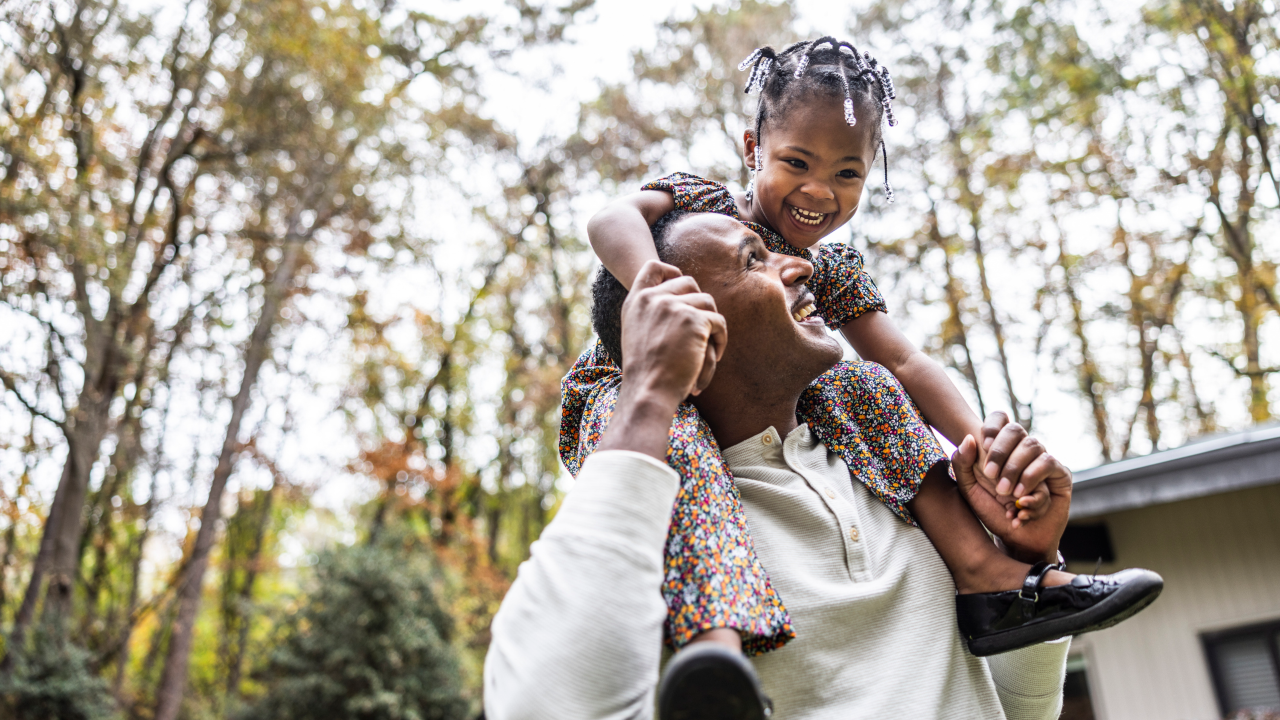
[641, 421]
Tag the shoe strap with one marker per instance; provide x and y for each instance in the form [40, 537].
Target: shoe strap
[1029, 595]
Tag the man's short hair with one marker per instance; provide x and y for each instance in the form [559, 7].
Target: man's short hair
[608, 294]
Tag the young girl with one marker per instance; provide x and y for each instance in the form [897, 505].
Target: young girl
[817, 131]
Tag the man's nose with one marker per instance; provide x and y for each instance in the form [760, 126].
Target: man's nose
[796, 271]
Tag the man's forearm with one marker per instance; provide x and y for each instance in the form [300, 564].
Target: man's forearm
[579, 634]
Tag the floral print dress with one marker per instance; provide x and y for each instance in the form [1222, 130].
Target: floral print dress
[713, 578]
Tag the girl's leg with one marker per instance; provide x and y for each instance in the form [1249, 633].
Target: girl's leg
[726, 637]
[976, 564]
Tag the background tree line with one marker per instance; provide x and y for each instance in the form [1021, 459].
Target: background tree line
[251, 250]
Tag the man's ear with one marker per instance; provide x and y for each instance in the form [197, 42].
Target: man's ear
[749, 148]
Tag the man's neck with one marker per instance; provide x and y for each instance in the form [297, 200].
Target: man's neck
[735, 414]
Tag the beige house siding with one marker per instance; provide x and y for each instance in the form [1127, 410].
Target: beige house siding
[1220, 558]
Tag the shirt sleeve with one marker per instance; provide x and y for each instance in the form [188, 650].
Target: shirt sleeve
[841, 286]
[1029, 681]
[579, 634]
[696, 194]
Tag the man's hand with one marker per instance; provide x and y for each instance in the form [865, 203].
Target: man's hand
[1027, 541]
[1005, 452]
[672, 338]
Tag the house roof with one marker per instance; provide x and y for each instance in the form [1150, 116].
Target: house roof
[1235, 461]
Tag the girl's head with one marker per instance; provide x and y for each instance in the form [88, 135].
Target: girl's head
[817, 131]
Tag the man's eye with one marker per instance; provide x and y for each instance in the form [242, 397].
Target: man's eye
[751, 259]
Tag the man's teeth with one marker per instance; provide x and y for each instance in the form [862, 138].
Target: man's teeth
[807, 217]
[804, 312]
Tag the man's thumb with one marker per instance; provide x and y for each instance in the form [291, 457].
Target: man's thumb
[654, 273]
[962, 461]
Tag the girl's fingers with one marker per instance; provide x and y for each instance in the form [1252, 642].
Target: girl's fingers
[1033, 506]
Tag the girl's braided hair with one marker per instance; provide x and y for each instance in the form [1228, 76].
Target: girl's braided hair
[828, 65]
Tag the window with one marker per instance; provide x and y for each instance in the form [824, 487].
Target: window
[1245, 663]
[1076, 703]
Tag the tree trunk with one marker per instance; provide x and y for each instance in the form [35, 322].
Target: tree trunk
[173, 678]
[1092, 383]
[244, 596]
[57, 560]
[954, 331]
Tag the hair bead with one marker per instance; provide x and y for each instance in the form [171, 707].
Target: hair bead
[848, 112]
[755, 55]
[804, 65]
[888, 189]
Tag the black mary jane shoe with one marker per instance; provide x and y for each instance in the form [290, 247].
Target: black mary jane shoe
[1002, 621]
[705, 681]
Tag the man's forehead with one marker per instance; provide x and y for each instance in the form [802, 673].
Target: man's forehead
[714, 234]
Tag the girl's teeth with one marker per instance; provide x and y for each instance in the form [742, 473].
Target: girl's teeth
[806, 217]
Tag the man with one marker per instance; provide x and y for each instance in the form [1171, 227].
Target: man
[580, 633]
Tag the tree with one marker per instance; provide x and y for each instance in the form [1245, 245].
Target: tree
[369, 641]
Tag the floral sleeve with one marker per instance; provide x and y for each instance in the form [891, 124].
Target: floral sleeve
[841, 286]
[696, 194]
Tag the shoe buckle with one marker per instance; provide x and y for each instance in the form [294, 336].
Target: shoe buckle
[1035, 597]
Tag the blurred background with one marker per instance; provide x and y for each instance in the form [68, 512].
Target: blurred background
[287, 288]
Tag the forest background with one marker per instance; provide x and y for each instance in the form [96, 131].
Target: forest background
[288, 287]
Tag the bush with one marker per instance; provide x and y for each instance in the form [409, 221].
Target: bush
[51, 679]
[369, 641]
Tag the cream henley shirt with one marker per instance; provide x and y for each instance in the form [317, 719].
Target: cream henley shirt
[579, 634]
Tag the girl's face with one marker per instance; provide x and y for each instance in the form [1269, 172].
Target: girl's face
[814, 167]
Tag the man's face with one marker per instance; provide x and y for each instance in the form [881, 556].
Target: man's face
[774, 341]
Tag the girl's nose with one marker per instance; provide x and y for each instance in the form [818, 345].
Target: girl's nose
[818, 191]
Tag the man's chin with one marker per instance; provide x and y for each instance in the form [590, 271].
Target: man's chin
[819, 354]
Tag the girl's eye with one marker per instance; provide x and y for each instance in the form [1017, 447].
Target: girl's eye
[849, 174]
[797, 164]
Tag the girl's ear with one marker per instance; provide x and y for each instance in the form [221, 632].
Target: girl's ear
[749, 148]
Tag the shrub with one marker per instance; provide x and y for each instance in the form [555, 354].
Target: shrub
[51, 679]
[369, 641]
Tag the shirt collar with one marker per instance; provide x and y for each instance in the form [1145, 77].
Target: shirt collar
[765, 448]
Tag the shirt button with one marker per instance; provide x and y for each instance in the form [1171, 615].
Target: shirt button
[830, 493]
[767, 439]
[853, 534]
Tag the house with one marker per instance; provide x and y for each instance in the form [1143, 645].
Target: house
[1206, 516]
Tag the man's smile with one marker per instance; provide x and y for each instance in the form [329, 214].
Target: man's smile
[803, 308]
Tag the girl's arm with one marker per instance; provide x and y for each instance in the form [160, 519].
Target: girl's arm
[875, 338]
[620, 235]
